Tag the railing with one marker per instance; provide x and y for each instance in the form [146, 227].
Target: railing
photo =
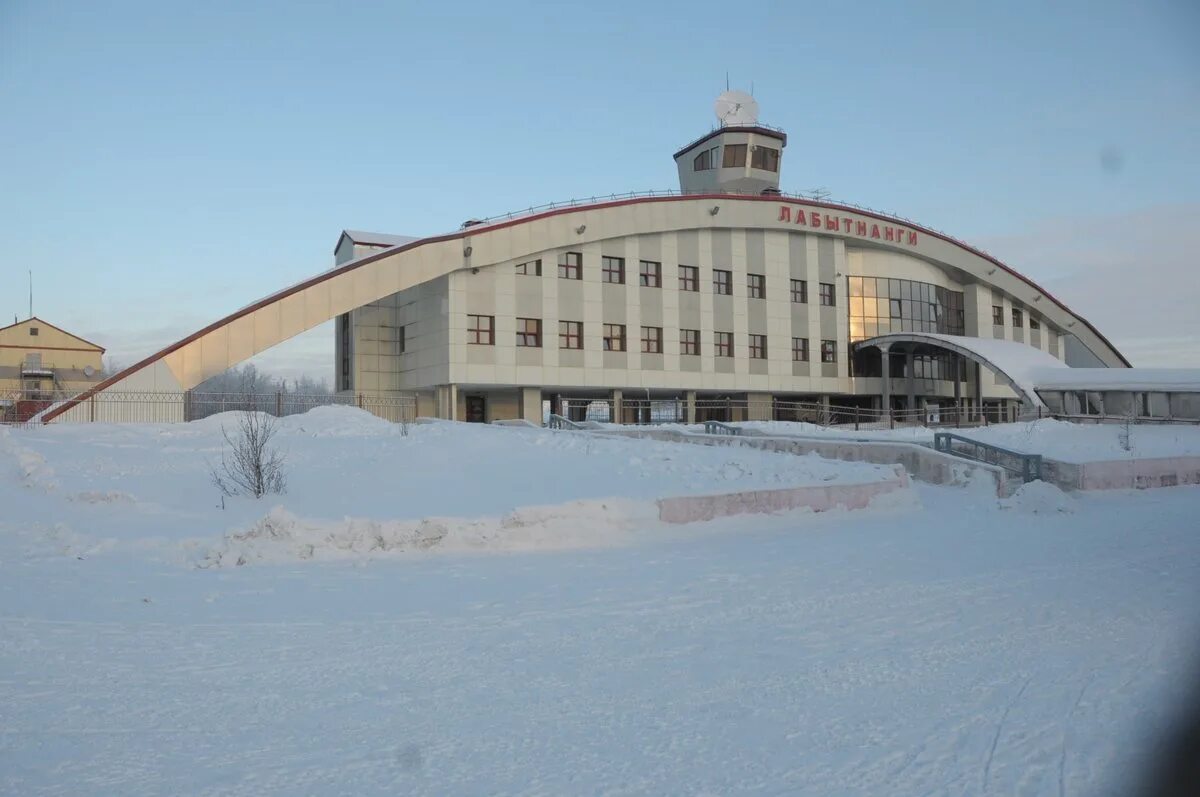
[1027, 466]
[180, 406]
[716, 427]
[559, 422]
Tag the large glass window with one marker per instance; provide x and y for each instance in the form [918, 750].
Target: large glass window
[722, 282]
[570, 334]
[614, 337]
[879, 305]
[481, 330]
[765, 158]
[529, 332]
[570, 265]
[735, 156]
[612, 270]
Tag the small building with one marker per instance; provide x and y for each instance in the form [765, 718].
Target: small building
[41, 363]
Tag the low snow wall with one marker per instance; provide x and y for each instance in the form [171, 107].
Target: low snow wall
[1123, 474]
[924, 464]
[819, 498]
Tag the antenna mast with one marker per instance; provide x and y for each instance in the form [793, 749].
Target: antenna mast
[31, 293]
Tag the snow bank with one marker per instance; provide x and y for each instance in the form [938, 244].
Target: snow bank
[1039, 498]
[282, 537]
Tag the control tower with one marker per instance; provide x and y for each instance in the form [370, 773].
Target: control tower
[741, 155]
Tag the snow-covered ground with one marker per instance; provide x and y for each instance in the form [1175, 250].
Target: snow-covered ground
[952, 644]
[1062, 440]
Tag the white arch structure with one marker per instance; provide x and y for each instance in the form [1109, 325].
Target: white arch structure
[286, 313]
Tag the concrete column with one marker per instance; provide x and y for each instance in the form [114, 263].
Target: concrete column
[909, 361]
[978, 390]
[616, 413]
[886, 393]
[446, 397]
[956, 364]
[690, 406]
[531, 404]
[758, 406]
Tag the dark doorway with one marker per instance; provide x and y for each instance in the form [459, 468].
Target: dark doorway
[476, 409]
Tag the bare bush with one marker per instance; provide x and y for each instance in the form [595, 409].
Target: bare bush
[250, 465]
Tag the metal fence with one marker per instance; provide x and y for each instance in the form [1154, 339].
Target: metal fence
[641, 411]
[177, 407]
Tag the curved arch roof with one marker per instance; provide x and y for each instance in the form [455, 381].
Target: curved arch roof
[442, 260]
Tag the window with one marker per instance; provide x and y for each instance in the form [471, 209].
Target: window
[400, 338]
[723, 344]
[765, 158]
[689, 341]
[570, 265]
[722, 282]
[800, 291]
[997, 315]
[689, 278]
[895, 309]
[529, 332]
[829, 351]
[800, 350]
[756, 286]
[650, 274]
[33, 331]
[570, 334]
[481, 330]
[1034, 323]
[652, 340]
[735, 156]
[827, 296]
[706, 160]
[531, 269]
[613, 270]
[614, 337]
[758, 347]
[1016, 318]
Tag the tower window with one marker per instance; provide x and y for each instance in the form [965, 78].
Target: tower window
[735, 156]
[706, 160]
[765, 158]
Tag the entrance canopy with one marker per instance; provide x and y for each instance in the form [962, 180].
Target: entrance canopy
[1019, 365]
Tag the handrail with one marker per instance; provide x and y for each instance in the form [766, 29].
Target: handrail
[559, 422]
[1029, 467]
[716, 427]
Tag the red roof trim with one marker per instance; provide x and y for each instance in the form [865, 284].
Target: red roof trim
[354, 264]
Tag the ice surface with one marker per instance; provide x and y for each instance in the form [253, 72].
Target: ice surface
[946, 646]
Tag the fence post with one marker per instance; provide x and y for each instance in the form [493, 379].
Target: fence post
[856, 419]
[278, 404]
[360, 401]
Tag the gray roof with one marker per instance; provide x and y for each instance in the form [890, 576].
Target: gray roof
[378, 238]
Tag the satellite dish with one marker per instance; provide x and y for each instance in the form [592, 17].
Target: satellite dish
[736, 108]
[89, 371]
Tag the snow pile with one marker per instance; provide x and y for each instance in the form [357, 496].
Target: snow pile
[1039, 498]
[281, 536]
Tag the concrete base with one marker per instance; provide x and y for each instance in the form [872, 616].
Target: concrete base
[818, 498]
[1127, 474]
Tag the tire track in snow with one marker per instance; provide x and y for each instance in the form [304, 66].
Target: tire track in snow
[1062, 757]
[987, 766]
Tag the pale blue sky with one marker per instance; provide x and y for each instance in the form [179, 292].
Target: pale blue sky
[164, 163]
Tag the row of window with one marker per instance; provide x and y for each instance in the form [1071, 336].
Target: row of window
[1018, 318]
[765, 158]
[481, 331]
[650, 275]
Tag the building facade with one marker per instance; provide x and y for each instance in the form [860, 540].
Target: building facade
[39, 362]
[725, 292]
